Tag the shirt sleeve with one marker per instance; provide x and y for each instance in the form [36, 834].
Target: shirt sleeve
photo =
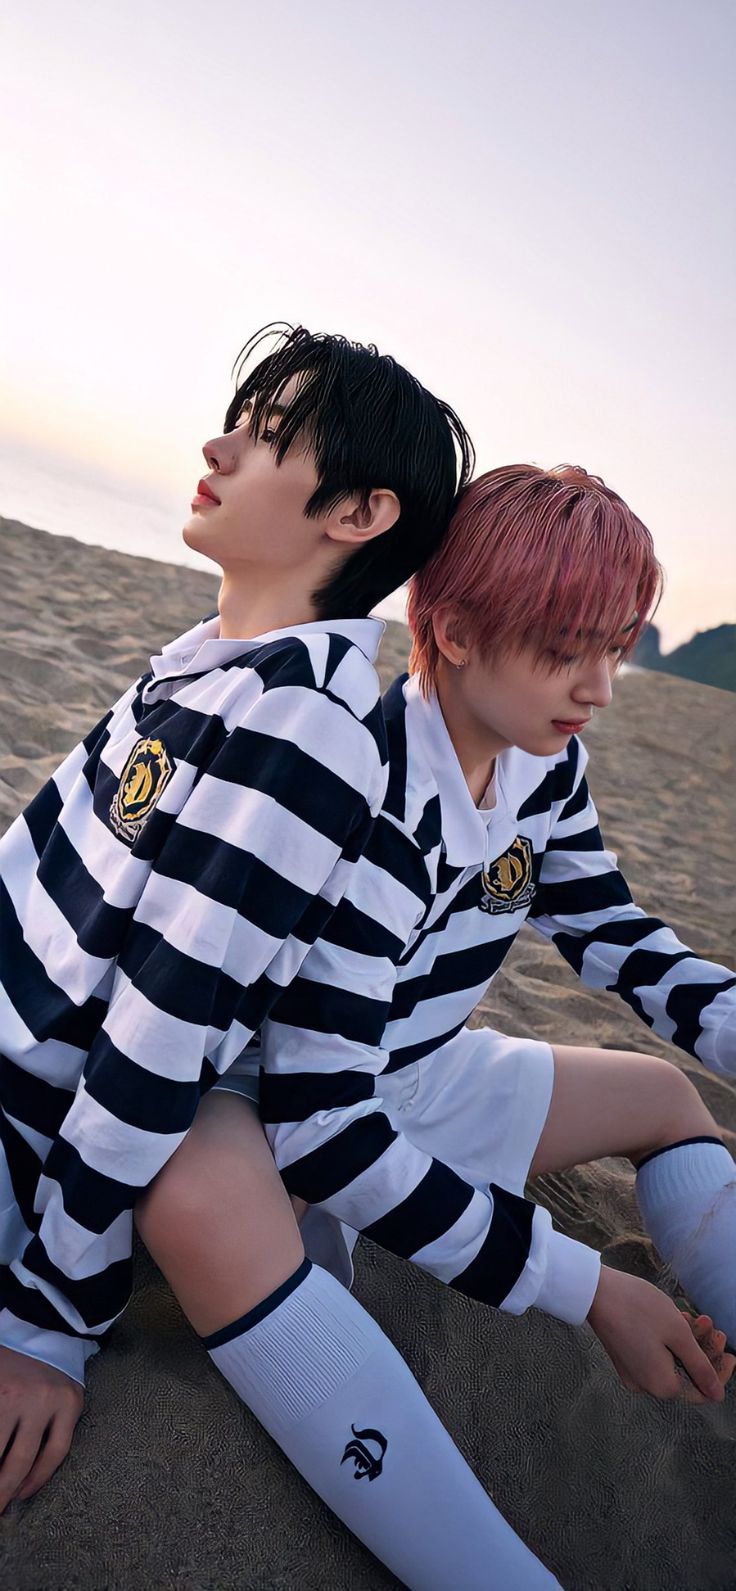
[335, 1146]
[249, 873]
[584, 906]
[37, 1330]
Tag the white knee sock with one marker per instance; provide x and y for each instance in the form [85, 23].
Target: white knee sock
[687, 1197]
[318, 1373]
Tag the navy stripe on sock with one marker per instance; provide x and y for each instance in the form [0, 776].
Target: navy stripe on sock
[679, 1145]
[266, 1307]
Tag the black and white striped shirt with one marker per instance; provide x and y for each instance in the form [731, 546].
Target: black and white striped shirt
[431, 911]
[156, 898]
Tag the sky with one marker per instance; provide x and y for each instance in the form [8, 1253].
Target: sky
[530, 204]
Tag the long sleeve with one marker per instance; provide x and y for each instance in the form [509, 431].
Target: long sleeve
[246, 874]
[334, 1144]
[584, 906]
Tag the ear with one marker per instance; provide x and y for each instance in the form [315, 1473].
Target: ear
[356, 522]
[451, 634]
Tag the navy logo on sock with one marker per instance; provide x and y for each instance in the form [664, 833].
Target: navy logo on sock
[366, 1462]
[507, 883]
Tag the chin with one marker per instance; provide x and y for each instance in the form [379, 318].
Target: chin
[194, 535]
[544, 744]
[557, 740]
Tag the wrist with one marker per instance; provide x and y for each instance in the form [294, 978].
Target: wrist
[55, 1348]
[601, 1295]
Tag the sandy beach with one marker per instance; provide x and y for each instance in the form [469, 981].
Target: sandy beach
[171, 1484]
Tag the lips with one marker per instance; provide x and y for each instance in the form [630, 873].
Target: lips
[570, 728]
[203, 490]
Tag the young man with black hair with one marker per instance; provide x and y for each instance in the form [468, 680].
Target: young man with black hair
[162, 891]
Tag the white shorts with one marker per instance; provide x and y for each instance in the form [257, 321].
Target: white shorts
[479, 1104]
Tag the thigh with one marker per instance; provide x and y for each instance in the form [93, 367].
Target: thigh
[616, 1102]
[217, 1219]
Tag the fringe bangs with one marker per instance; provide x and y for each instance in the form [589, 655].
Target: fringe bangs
[365, 417]
[550, 559]
[369, 424]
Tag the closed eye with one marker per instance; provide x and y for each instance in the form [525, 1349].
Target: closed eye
[562, 659]
[245, 419]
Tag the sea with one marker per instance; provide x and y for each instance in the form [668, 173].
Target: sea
[63, 503]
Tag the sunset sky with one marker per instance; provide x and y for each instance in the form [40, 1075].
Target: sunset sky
[530, 204]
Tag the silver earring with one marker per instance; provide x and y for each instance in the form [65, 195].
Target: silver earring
[462, 663]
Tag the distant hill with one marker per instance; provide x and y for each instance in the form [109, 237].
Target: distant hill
[710, 657]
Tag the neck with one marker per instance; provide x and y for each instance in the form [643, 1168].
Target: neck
[476, 746]
[252, 601]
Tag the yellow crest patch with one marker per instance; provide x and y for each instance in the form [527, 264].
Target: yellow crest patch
[144, 777]
[507, 882]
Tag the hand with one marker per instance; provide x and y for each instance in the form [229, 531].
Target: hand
[39, 1408]
[713, 1343]
[643, 1333]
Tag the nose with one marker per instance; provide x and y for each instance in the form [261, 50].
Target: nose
[220, 454]
[594, 686]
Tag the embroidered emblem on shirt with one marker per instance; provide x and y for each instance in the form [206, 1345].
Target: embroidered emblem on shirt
[366, 1462]
[507, 882]
[143, 779]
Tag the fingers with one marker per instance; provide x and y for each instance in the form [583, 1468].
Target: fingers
[18, 1461]
[687, 1393]
[50, 1455]
[685, 1347]
[713, 1343]
[705, 1334]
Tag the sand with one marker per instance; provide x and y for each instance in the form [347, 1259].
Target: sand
[171, 1484]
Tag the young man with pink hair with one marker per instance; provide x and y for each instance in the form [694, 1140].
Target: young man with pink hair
[385, 1112]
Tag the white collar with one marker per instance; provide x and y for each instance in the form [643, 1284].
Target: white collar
[200, 649]
[471, 834]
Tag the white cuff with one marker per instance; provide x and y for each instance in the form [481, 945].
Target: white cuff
[570, 1279]
[722, 1047]
[55, 1348]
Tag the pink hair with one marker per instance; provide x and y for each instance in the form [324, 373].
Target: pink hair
[535, 556]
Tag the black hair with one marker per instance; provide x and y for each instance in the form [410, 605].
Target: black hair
[370, 425]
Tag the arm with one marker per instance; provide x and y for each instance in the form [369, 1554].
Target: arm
[335, 1146]
[248, 874]
[584, 906]
[30, 1097]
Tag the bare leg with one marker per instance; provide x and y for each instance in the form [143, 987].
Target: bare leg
[619, 1102]
[616, 1102]
[315, 1369]
[218, 1220]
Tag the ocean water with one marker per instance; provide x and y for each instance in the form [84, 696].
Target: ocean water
[65, 505]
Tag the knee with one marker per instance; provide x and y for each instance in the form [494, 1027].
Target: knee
[682, 1092]
[680, 1111]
